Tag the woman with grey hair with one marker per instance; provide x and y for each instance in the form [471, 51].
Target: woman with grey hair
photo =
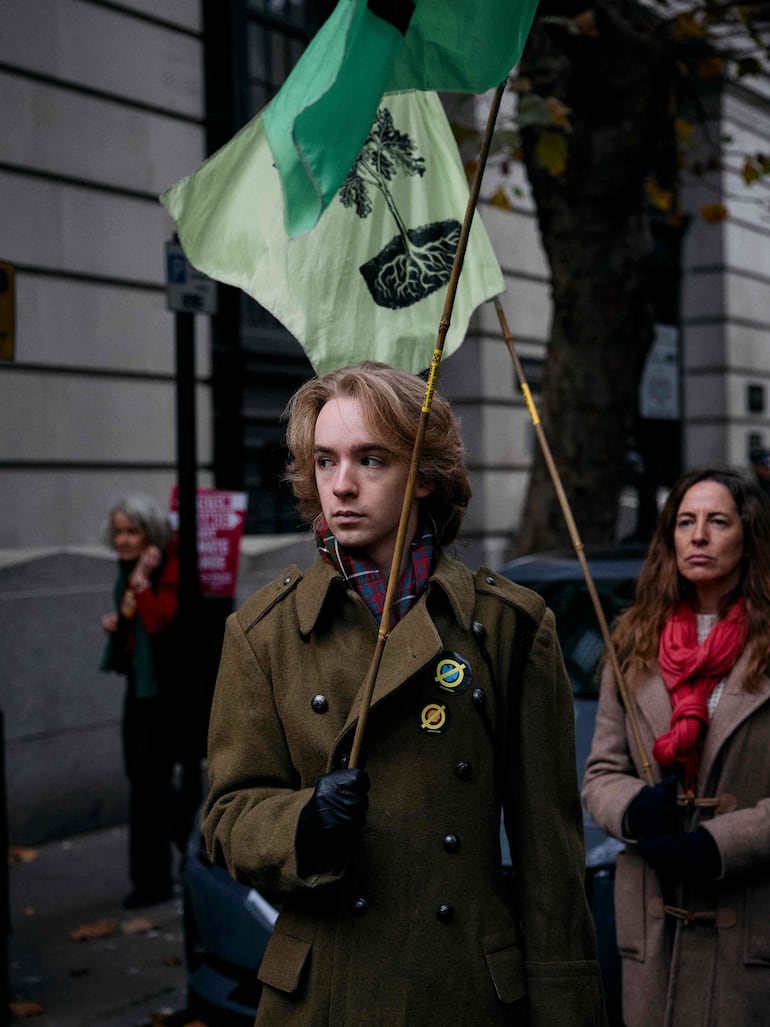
[141, 646]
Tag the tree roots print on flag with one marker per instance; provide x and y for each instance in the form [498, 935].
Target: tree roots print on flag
[418, 260]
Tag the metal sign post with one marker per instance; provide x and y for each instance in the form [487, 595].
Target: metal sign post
[188, 293]
[7, 310]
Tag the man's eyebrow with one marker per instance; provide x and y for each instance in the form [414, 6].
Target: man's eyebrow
[364, 447]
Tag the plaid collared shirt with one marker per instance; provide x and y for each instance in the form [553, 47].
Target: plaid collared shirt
[361, 574]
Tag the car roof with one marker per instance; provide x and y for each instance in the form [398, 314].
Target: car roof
[608, 563]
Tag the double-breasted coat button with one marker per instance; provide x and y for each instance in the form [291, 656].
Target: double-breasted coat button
[287, 581]
[359, 906]
[463, 770]
[490, 580]
[478, 629]
[445, 913]
[479, 697]
[451, 843]
[319, 704]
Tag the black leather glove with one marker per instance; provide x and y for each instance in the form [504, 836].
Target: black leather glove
[331, 821]
[654, 810]
[683, 856]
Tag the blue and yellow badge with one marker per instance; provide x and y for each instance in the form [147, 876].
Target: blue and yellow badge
[453, 673]
[434, 719]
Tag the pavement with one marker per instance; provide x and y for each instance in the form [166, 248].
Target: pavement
[76, 958]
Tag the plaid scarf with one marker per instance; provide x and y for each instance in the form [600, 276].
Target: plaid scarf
[360, 573]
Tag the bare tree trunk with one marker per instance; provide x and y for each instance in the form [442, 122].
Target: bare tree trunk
[594, 225]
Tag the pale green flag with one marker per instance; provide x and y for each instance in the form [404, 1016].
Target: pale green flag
[319, 119]
[369, 281]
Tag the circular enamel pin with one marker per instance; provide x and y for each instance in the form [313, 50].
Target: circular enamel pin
[434, 719]
[453, 674]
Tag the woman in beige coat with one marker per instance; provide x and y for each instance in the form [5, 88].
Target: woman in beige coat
[395, 910]
[692, 890]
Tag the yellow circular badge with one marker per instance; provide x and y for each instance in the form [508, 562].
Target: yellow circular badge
[434, 719]
[453, 674]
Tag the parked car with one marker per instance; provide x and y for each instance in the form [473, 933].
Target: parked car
[228, 925]
[226, 928]
[559, 578]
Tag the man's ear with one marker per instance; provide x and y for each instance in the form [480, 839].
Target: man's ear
[423, 488]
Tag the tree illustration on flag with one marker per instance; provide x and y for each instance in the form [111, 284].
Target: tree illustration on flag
[418, 261]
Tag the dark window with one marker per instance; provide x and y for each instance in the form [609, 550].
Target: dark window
[252, 45]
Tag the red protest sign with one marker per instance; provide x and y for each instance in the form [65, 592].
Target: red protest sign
[221, 516]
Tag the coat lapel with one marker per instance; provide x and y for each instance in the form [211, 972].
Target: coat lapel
[735, 705]
[654, 705]
[419, 642]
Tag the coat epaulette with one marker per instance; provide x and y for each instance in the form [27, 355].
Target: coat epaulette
[265, 598]
[488, 582]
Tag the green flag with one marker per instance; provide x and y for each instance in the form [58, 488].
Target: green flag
[370, 280]
[319, 119]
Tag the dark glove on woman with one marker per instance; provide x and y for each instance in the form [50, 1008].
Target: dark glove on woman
[654, 810]
[331, 821]
[682, 856]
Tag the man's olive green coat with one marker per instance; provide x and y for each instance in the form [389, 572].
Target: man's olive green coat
[421, 928]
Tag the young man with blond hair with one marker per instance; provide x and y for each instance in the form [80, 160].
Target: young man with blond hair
[395, 909]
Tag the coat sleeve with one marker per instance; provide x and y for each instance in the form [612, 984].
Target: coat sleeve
[254, 797]
[545, 828]
[157, 606]
[611, 780]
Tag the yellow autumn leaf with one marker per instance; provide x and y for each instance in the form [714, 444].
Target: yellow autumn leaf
[559, 112]
[710, 69]
[519, 85]
[21, 1009]
[713, 213]
[585, 22]
[661, 199]
[500, 200]
[684, 130]
[137, 925]
[551, 152]
[98, 929]
[19, 854]
[685, 26]
[755, 168]
[750, 172]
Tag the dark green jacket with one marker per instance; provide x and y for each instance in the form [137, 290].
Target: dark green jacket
[421, 927]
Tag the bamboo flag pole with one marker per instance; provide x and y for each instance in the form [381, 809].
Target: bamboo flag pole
[577, 544]
[414, 467]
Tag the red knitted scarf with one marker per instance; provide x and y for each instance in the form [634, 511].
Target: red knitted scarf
[691, 672]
